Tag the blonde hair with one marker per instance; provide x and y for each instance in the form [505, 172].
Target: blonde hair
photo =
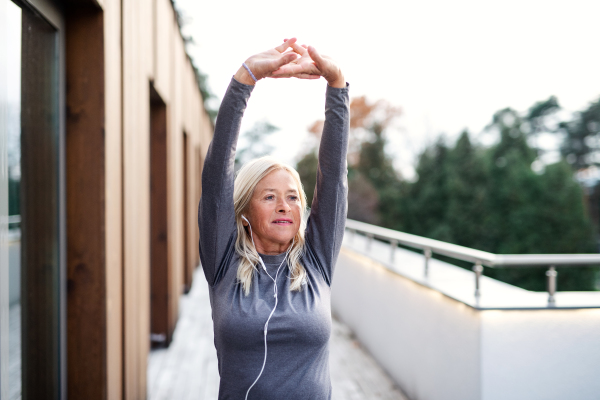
[245, 183]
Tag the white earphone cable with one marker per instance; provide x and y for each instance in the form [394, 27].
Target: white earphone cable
[266, 327]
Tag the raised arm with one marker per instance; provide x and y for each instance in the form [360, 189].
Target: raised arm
[327, 219]
[216, 217]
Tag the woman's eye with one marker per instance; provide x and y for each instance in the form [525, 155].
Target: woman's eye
[294, 198]
[269, 197]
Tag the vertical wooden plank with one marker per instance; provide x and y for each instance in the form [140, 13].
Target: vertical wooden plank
[160, 295]
[127, 57]
[163, 50]
[175, 173]
[114, 198]
[85, 165]
[134, 232]
[136, 199]
[174, 183]
[144, 40]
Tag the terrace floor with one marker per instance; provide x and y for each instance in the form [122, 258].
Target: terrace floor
[187, 369]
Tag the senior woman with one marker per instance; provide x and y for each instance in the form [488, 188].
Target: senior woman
[268, 269]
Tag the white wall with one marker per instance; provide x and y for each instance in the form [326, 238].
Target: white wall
[540, 354]
[438, 348]
[427, 342]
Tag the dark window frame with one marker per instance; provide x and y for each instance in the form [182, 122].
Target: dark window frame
[52, 14]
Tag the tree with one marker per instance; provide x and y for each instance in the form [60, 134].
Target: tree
[467, 193]
[363, 200]
[372, 179]
[538, 119]
[424, 211]
[307, 169]
[490, 199]
[581, 144]
[487, 198]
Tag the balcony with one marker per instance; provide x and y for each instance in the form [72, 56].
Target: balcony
[409, 326]
[443, 332]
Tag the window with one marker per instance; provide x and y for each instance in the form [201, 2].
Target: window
[30, 129]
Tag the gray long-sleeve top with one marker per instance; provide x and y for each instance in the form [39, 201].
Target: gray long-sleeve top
[297, 365]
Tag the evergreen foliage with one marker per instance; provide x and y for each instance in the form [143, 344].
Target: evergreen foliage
[487, 198]
[581, 145]
[307, 169]
[490, 199]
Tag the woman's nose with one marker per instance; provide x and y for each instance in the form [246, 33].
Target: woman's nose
[283, 207]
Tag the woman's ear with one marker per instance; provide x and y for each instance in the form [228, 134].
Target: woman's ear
[245, 221]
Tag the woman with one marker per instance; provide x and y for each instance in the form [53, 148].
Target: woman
[268, 270]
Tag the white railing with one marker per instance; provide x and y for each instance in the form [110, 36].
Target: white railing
[477, 257]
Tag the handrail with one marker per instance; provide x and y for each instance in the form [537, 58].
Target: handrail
[422, 243]
[478, 257]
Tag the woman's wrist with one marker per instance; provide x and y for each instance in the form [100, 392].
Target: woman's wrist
[242, 76]
[339, 82]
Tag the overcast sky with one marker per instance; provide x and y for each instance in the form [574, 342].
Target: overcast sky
[448, 65]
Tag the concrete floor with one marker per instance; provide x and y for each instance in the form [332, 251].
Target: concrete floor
[188, 368]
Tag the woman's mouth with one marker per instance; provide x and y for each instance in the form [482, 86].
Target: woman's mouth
[283, 222]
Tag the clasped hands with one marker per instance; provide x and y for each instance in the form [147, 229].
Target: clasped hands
[291, 60]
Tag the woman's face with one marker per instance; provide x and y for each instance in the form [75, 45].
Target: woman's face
[275, 212]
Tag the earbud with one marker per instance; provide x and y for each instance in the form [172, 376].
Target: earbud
[245, 219]
[262, 263]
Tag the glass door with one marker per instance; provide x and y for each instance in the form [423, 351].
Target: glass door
[30, 158]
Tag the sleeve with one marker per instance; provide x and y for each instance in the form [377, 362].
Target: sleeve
[327, 219]
[216, 217]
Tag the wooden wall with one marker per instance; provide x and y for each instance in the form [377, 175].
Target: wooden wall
[136, 45]
[86, 211]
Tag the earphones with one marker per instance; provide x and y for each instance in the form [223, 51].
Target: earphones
[274, 295]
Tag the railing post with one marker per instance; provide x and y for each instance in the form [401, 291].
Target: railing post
[393, 245]
[369, 241]
[478, 269]
[551, 274]
[427, 254]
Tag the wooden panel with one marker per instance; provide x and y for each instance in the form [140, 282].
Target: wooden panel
[114, 200]
[143, 44]
[163, 49]
[85, 164]
[160, 295]
[175, 174]
[136, 202]
[131, 370]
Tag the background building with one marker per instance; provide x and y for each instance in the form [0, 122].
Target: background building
[102, 139]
